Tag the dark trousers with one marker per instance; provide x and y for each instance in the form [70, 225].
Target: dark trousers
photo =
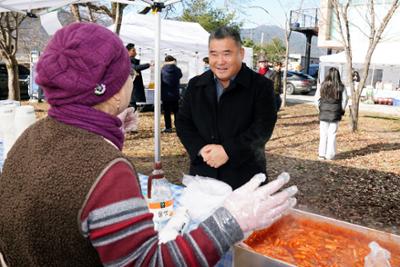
[169, 107]
[278, 102]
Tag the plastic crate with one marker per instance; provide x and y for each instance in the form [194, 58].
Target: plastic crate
[396, 102]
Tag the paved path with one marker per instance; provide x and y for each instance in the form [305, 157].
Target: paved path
[384, 109]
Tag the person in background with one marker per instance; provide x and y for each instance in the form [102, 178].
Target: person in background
[227, 114]
[355, 78]
[275, 76]
[139, 94]
[206, 63]
[41, 95]
[262, 65]
[84, 207]
[170, 77]
[331, 100]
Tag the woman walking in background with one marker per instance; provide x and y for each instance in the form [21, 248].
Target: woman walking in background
[331, 100]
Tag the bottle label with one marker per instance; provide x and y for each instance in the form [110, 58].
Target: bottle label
[162, 210]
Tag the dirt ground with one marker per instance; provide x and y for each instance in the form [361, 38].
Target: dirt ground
[362, 185]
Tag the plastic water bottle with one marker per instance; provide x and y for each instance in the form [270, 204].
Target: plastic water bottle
[159, 197]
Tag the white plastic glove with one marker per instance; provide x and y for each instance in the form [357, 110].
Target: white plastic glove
[129, 119]
[256, 207]
[202, 196]
[378, 257]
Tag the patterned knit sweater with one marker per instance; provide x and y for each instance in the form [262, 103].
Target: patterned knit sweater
[70, 198]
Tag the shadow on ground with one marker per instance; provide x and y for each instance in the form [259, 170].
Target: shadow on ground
[374, 148]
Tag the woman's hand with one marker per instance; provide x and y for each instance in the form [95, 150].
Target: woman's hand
[256, 207]
[129, 119]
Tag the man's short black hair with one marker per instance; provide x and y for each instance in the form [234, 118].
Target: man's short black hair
[226, 32]
[130, 46]
[169, 58]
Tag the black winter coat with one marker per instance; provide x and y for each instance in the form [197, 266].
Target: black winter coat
[170, 76]
[330, 110]
[138, 87]
[242, 122]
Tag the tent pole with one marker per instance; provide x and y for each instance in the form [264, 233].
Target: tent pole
[157, 8]
[157, 91]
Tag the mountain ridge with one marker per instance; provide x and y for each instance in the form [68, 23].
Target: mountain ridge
[297, 41]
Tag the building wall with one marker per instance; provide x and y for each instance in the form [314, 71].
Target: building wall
[329, 35]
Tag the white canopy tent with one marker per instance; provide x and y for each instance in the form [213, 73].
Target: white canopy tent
[385, 63]
[27, 5]
[384, 54]
[186, 41]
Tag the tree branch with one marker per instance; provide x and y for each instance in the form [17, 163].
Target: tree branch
[100, 9]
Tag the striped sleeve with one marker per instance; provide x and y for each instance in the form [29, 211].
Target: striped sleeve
[116, 220]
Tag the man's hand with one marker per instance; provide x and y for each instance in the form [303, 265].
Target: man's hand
[214, 155]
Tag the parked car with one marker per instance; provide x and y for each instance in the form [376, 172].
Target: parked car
[23, 82]
[298, 82]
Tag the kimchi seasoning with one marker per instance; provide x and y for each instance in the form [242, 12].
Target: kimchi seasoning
[307, 243]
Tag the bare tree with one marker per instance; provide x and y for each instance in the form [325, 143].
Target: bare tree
[115, 12]
[341, 11]
[9, 24]
[288, 32]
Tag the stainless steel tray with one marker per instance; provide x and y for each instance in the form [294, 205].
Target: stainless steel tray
[246, 256]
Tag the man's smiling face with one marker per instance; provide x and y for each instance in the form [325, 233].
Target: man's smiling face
[225, 56]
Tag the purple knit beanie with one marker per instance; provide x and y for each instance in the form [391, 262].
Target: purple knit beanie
[84, 63]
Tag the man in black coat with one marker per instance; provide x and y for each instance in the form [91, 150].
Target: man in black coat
[227, 114]
[138, 94]
[170, 77]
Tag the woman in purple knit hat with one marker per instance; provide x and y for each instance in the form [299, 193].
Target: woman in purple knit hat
[70, 197]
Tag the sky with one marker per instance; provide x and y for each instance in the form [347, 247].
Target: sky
[255, 15]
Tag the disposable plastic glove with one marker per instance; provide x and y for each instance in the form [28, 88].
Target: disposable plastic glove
[256, 207]
[202, 196]
[378, 257]
[129, 119]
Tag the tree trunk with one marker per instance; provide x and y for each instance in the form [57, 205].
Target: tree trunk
[13, 78]
[343, 23]
[287, 38]
[75, 12]
[354, 112]
[118, 17]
